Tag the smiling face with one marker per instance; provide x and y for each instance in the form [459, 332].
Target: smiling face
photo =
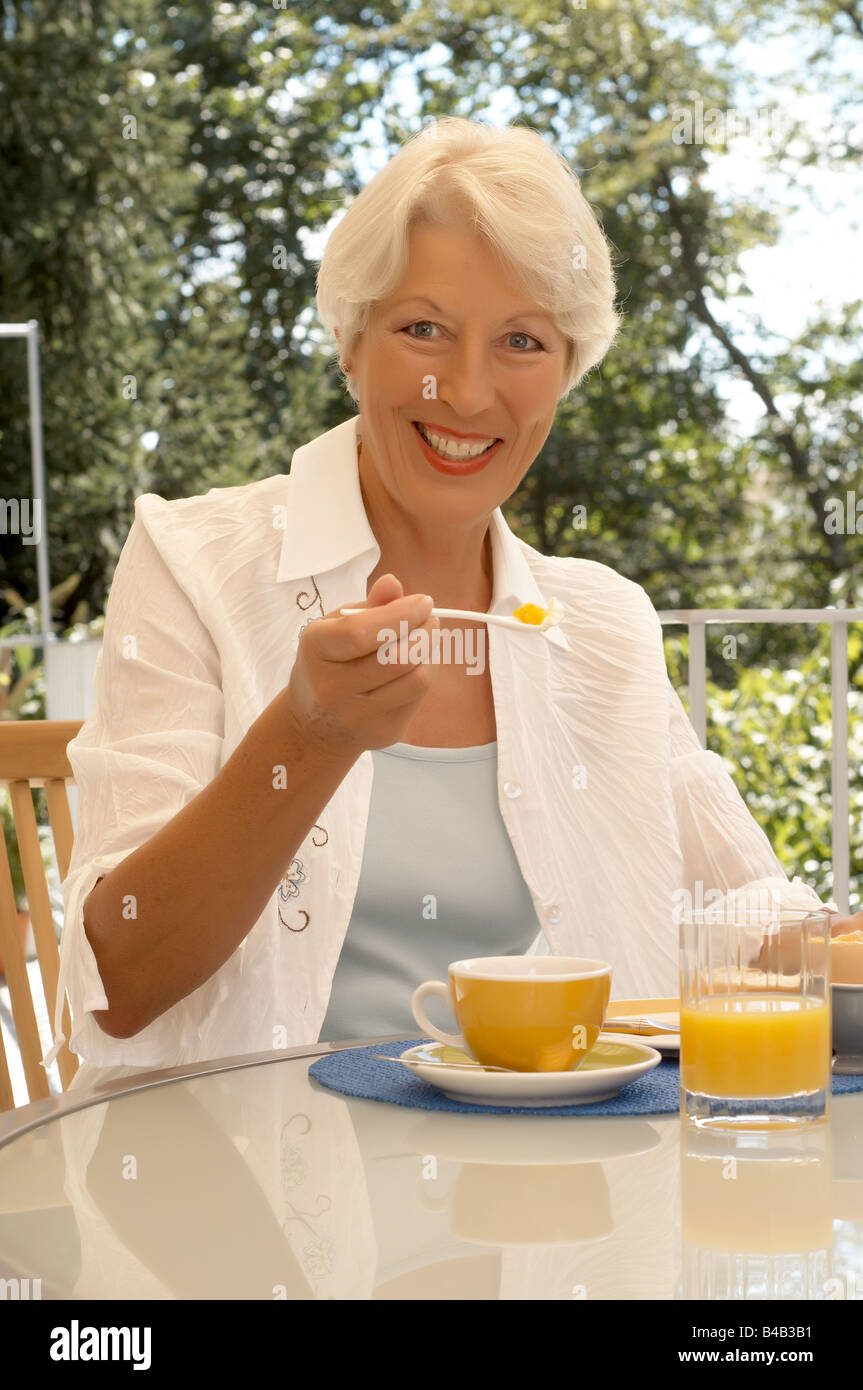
[461, 348]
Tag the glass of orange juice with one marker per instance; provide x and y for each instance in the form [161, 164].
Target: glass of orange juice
[755, 1035]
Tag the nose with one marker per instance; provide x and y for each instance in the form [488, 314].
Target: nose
[466, 380]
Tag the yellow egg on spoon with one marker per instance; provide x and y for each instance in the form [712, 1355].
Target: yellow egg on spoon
[534, 616]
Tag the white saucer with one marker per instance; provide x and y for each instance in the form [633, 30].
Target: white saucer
[612, 1063]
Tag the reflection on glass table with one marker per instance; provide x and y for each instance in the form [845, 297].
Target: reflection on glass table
[252, 1181]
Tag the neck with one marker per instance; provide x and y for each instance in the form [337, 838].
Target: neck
[454, 567]
[455, 576]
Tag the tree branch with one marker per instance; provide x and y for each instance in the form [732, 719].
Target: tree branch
[797, 458]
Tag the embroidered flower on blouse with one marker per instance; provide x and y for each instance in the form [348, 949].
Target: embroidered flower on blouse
[289, 886]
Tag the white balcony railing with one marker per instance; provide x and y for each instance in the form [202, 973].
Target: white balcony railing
[696, 620]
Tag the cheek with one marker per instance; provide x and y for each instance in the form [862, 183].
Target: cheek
[395, 376]
[532, 396]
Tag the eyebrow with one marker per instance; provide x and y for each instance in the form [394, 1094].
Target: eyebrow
[522, 313]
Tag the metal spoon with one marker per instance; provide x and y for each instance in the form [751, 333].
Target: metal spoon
[468, 1066]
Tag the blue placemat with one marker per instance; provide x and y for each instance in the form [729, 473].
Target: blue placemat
[354, 1072]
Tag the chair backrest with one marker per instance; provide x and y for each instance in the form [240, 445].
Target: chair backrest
[33, 754]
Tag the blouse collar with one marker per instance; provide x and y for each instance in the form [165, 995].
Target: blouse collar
[326, 529]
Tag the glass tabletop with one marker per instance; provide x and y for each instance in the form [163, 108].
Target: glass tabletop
[247, 1179]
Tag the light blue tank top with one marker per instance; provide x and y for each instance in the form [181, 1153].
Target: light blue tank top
[439, 882]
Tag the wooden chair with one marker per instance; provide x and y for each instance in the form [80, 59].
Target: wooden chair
[33, 754]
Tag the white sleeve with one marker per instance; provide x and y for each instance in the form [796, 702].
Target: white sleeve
[152, 742]
[723, 847]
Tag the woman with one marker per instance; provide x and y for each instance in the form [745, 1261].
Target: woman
[284, 829]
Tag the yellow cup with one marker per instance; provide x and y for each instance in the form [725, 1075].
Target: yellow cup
[529, 1013]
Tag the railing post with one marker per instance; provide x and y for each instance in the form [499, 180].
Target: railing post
[34, 389]
[839, 774]
[698, 679]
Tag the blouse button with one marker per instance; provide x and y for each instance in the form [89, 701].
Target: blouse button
[512, 789]
[554, 915]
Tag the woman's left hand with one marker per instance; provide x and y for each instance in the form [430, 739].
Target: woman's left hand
[840, 926]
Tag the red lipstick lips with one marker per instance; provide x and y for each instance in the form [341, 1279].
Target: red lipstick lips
[456, 467]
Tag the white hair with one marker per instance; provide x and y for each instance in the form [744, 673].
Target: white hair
[511, 188]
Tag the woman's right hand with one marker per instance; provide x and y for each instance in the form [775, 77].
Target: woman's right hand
[340, 697]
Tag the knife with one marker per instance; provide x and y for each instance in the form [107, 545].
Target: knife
[644, 1027]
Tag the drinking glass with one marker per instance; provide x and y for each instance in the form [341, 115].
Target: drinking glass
[755, 1034]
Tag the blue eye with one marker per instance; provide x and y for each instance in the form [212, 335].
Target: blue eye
[427, 323]
[420, 323]
[517, 333]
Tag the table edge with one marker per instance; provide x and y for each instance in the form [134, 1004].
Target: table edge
[21, 1119]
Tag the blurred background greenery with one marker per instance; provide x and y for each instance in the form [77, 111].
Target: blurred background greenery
[168, 176]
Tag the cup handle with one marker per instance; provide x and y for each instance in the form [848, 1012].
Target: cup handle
[419, 1013]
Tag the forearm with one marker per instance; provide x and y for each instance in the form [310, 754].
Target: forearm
[170, 915]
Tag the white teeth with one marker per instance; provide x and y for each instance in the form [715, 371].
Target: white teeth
[447, 448]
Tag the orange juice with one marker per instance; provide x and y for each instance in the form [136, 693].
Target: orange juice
[758, 1044]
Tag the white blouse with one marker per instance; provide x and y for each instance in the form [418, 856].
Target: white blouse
[609, 801]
